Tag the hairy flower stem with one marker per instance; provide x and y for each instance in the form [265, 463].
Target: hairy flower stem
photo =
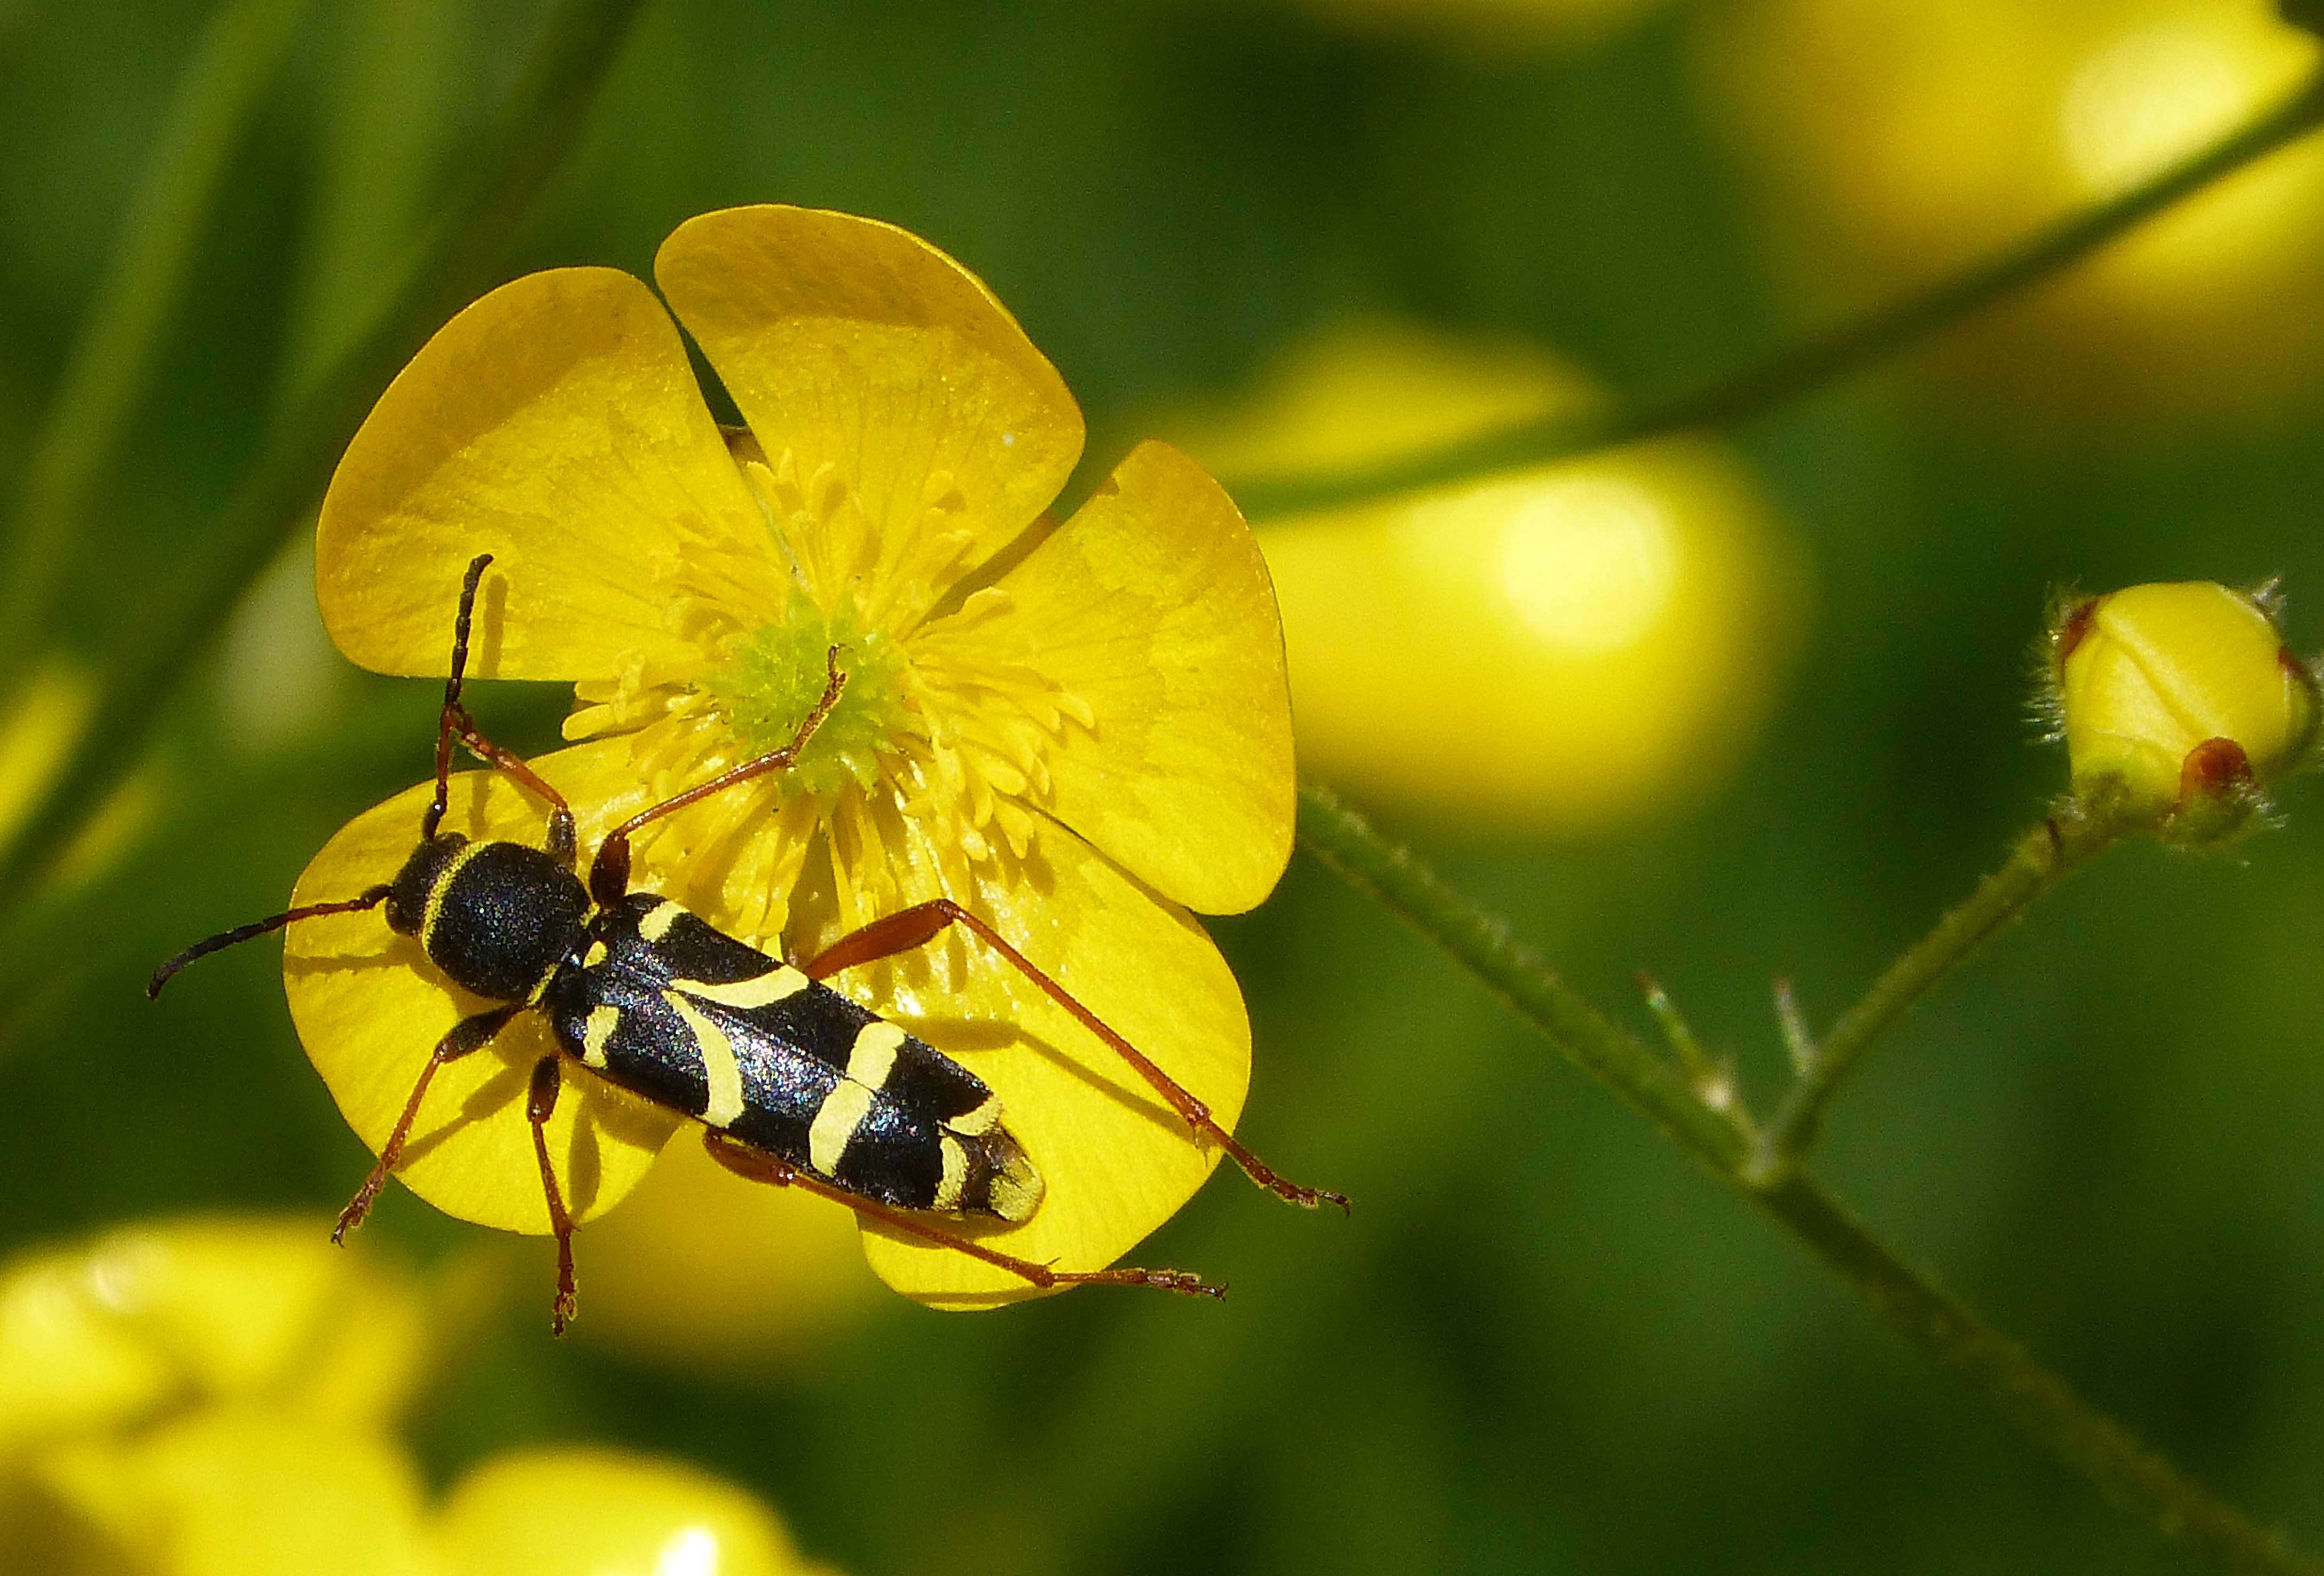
[2042, 1406]
[2041, 860]
[1804, 367]
[158, 641]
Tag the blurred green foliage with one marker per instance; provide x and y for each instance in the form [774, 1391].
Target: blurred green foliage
[1543, 1342]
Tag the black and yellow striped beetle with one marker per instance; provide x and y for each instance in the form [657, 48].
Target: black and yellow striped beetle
[795, 1084]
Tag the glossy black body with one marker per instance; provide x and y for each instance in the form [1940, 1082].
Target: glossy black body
[651, 996]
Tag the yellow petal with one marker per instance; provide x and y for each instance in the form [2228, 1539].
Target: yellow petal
[378, 1338]
[370, 1009]
[1117, 1162]
[566, 1512]
[911, 429]
[241, 1492]
[557, 425]
[1152, 607]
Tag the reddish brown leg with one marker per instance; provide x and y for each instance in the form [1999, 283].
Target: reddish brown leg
[563, 840]
[467, 1035]
[923, 922]
[539, 1106]
[757, 1166]
[609, 873]
[454, 723]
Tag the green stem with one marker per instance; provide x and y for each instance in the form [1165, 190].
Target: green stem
[528, 140]
[111, 365]
[1333, 833]
[2039, 861]
[2041, 1405]
[1800, 369]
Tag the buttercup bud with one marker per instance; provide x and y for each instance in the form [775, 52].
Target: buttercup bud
[2179, 703]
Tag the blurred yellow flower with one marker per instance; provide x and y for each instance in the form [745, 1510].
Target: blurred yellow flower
[2179, 703]
[1563, 648]
[157, 1318]
[207, 1397]
[238, 1490]
[583, 1512]
[1071, 729]
[1899, 140]
[218, 1397]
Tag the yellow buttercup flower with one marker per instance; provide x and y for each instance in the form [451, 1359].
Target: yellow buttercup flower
[1076, 730]
[2179, 705]
[1566, 648]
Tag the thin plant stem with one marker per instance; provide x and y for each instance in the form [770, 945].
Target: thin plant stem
[111, 363]
[1480, 940]
[2043, 1407]
[1802, 368]
[527, 142]
[2038, 861]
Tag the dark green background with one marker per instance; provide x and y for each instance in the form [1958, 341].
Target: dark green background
[1544, 1342]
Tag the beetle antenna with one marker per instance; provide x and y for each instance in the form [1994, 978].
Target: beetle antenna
[447, 720]
[372, 898]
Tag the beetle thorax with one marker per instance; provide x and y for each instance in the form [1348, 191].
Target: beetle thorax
[497, 917]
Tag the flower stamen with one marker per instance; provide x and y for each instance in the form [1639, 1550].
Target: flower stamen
[773, 678]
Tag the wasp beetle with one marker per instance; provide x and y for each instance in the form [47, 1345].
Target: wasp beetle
[794, 1083]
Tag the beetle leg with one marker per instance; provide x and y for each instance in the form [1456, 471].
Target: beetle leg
[757, 1166]
[923, 922]
[609, 873]
[563, 840]
[540, 1103]
[454, 723]
[468, 1035]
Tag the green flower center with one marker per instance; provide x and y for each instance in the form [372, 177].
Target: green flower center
[779, 674]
